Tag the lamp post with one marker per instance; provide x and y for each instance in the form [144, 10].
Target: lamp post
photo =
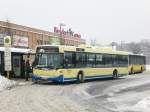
[42, 39]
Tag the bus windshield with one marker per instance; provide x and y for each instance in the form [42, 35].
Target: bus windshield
[50, 60]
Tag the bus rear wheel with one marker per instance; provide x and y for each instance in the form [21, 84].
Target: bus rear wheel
[115, 74]
[80, 78]
[141, 69]
[132, 71]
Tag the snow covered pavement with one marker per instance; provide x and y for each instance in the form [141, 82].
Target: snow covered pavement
[127, 94]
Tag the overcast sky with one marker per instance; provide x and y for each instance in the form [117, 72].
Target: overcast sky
[105, 20]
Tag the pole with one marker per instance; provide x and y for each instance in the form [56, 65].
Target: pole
[43, 39]
[8, 75]
[9, 33]
[60, 34]
[60, 28]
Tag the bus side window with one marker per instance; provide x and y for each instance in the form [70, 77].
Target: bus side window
[69, 60]
[91, 60]
[80, 59]
[122, 60]
[100, 60]
[108, 60]
[114, 60]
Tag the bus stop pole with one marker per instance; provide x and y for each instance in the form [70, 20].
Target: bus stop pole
[8, 75]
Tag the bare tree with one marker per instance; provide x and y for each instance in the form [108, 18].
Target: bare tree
[93, 42]
[142, 47]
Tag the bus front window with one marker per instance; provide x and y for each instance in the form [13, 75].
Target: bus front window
[42, 60]
[50, 60]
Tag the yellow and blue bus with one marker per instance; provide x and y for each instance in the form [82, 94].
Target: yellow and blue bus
[137, 63]
[67, 63]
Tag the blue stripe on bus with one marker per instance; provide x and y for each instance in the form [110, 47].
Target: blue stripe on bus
[94, 77]
[61, 78]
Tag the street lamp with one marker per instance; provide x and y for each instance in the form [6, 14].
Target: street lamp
[60, 25]
[60, 28]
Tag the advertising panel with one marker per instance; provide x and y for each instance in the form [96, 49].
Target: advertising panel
[54, 41]
[20, 41]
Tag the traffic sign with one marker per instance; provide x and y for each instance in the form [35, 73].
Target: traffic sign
[7, 41]
[7, 53]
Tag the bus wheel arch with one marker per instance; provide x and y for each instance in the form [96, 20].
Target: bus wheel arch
[115, 74]
[80, 76]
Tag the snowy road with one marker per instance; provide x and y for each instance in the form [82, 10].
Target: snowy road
[128, 94]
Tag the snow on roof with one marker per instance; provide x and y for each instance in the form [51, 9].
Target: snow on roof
[18, 50]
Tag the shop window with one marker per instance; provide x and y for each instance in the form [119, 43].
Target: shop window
[14, 32]
[38, 43]
[41, 42]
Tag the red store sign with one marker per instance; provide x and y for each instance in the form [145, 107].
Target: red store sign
[69, 32]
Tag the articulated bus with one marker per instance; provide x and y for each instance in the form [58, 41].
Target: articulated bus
[137, 63]
[67, 63]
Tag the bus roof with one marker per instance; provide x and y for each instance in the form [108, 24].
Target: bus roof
[89, 49]
[132, 54]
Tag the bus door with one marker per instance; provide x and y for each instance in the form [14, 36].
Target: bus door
[17, 66]
[69, 62]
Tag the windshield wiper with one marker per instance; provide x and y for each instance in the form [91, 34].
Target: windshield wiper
[50, 66]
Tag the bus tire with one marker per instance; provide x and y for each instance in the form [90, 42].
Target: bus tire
[35, 81]
[115, 74]
[132, 71]
[80, 78]
[141, 69]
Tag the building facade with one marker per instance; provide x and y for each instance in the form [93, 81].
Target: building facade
[27, 37]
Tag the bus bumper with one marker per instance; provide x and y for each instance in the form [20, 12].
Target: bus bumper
[59, 78]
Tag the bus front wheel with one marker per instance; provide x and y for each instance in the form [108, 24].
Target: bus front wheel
[115, 74]
[80, 78]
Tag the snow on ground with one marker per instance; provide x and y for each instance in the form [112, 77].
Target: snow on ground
[143, 105]
[6, 83]
[148, 67]
[80, 91]
[117, 88]
[130, 100]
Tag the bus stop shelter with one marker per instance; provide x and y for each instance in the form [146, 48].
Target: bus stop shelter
[18, 56]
